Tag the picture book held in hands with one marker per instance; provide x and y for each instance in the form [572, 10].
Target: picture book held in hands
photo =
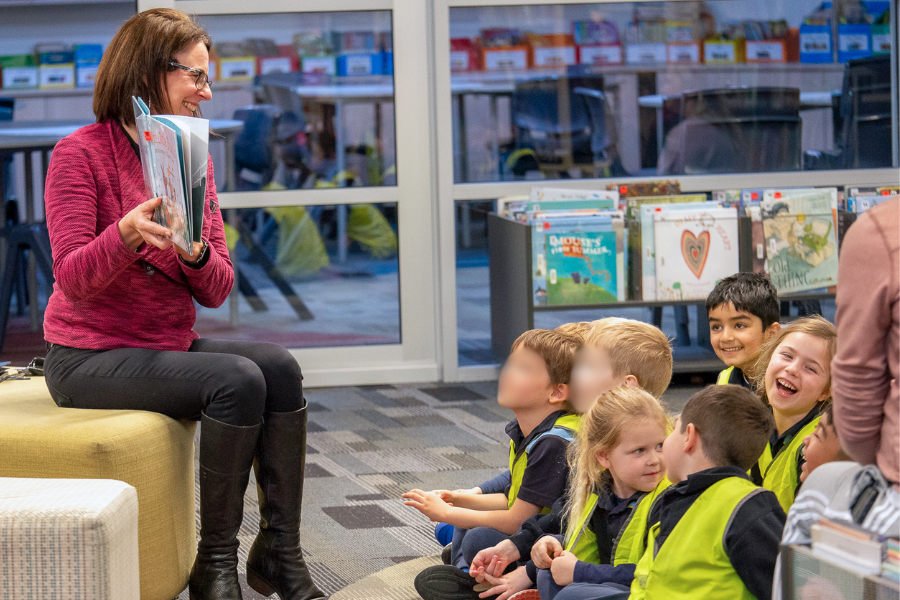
[174, 152]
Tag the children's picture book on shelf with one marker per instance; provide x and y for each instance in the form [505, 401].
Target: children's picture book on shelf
[647, 254]
[578, 259]
[664, 187]
[545, 194]
[695, 249]
[801, 241]
[174, 151]
[634, 203]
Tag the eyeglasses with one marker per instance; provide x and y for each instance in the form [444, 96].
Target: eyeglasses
[202, 78]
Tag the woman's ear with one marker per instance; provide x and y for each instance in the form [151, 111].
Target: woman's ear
[631, 381]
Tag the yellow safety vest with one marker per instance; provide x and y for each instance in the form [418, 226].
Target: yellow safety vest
[565, 427]
[724, 376]
[629, 543]
[693, 563]
[779, 473]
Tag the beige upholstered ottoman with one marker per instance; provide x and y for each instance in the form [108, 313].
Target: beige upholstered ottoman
[149, 451]
[68, 538]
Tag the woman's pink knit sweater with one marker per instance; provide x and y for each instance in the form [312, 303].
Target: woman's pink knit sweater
[107, 296]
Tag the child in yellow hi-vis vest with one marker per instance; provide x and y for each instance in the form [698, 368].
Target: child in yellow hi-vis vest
[534, 384]
[743, 313]
[793, 376]
[617, 472]
[615, 352]
[712, 535]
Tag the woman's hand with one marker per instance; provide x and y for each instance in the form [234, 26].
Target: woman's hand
[138, 226]
[194, 256]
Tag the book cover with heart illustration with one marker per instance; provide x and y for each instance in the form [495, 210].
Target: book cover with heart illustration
[694, 251]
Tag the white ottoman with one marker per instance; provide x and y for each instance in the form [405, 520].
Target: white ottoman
[70, 539]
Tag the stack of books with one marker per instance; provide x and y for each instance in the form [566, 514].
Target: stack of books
[852, 547]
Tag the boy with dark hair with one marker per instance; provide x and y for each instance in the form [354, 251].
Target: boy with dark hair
[713, 534]
[534, 384]
[743, 312]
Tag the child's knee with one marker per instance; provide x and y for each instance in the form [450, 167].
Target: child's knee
[478, 539]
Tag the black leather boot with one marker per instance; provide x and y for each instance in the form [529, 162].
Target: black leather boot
[275, 563]
[226, 455]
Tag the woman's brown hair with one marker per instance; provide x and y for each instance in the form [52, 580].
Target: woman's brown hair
[137, 60]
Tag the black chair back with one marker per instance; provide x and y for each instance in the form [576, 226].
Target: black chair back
[741, 130]
[866, 113]
[549, 114]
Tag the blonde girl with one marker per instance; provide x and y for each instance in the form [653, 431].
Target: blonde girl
[793, 376]
[617, 471]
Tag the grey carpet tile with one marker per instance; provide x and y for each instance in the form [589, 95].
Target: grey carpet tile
[366, 447]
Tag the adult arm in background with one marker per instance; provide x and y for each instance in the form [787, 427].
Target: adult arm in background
[861, 371]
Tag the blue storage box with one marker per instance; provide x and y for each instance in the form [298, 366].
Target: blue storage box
[360, 63]
[815, 44]
[854, 41]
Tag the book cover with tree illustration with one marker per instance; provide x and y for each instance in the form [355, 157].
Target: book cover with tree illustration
[801, 242]
[582, 268]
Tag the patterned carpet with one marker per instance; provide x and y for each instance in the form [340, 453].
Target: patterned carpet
[368, 445]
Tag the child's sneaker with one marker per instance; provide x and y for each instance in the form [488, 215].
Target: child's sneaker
[446, 582]
[526, 595]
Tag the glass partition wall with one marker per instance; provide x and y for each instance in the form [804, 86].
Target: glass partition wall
[363, 143]
[721, 94]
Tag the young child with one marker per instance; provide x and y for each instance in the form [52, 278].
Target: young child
[714, 534]
[444, 532]
[743, 313]
[620, 351]
[534, 385]
[616, 352]
[822, 445]
[617, 472]
[793, 376]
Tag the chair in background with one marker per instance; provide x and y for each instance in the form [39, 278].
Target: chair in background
[563, 121]
[735, 130]
[866, 112]
[254, 147]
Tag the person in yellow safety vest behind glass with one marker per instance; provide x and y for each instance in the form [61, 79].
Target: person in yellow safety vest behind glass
[743, 313]
[793, 376]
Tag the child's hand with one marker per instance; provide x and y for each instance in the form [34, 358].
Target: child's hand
[428, 503]
[545, 550]
[504, 587]
[505, 553]
[563, 568]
